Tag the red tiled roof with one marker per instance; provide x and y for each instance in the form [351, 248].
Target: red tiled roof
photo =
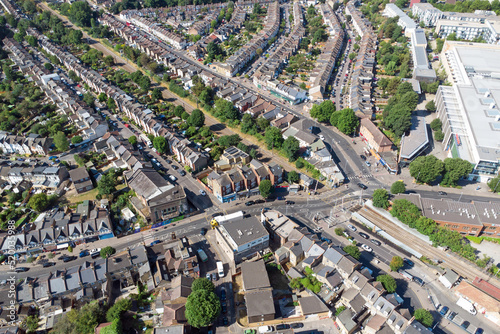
[486, 287]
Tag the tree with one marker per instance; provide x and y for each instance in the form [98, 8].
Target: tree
[398, 187]
[39, 202]
[61, 142]
[388, 282]
[352, 55]
[381, 198]
[405, 211]
[48, 66]
[396, 263]
[156, 94]
[82, 321]
[322, 112]
[197, 118]
[455, 169]
[202, 307]
[119, 307]
[178, 111]
[70, 249]
[353, 251]
[107, 252]
[202, 283]
[107, 183]
[293, 177]
[426, 169]
[436, 124]
[273, 137]
[339, 231]
[160, 144]
[348, 121]
[295, 283]
[81, 13]
[132, 140]
[424, 317]
[253, 153]
[265, 188]
[76, 139]
[30, 324]
[430, 106]
[291, 147]
[185, 115]
[494, 184]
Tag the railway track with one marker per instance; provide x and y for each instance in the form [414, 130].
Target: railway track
[463, 268]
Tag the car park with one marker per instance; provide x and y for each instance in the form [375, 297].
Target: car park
[444, 310]
[367, 248]
[352, 228]
[375, 242]
[363, 235]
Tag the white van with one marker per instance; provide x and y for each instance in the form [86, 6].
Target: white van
[265, 329]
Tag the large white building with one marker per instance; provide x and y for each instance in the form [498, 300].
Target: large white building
[405, 22]
[469, 110]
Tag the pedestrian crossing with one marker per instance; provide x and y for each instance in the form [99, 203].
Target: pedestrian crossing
[360, 177]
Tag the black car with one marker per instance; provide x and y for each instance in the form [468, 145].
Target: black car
[168, 161]
[408, 262]
[479, 331]
[249, 203]
[203, 231]
[223, 294]
[224, 307]
[363, 235]
[289, 202]
[375, 242]
[21, 269]
[362, 157]
[418, 280]
[69, 258]
[297, 325]
[465, 325]
[48, 264]
[182, 172]
[282, 326]
[442, 193]
[259, 201]
[362, 186]
[452, 315]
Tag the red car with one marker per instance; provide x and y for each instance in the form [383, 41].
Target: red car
[126, 125]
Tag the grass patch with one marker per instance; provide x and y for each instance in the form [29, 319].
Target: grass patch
[476, 240]
[89, 195]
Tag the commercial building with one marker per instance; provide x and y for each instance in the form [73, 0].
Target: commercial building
[240, 238]
[415, 143]
[469, 109]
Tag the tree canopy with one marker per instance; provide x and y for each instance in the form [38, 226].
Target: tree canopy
[273, 137]
[424, 317]
[265, 188]
[322, 112]
[353, 251]
[396, 263]
[160, 144]
[398, 187]
[293, 177]
[291, 148]
[426, 169]
[60, 141]
[80, 321]
[39, 202]
[381, 198]
[454, 170]
[202, 307]
[388, 282]
[197, 118]
[202, 283]
[107, 183]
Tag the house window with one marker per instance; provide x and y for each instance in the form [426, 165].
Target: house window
[465, 227]
[454, 226]
[493, 227]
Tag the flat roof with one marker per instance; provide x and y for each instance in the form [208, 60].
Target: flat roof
[254, 275]
[416, 139]
[260, 303]
[244, 230]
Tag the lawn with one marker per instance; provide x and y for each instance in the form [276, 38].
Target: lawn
[89, 195]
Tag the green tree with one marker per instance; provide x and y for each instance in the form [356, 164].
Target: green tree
[39, 202]
[179, 110]
[405, 211]
[273, 137]
[348, 121]
[439, 135]
[396, 263]
[197, 118]
[109, 61]
[202, 283]
[265, 188]
[119, 307]
[76, 139]
[426, 169]
[494, 184]
[81, 321]
[160, 144]
[398, 187]
[156, 94]
[132, 140]
[107, 252]
[295, 283]
[388, 282]
[114, 328]
[353, 251]
[455, 169]
[291, 148]
[80, 13]
[430, 106]
[293, 177]
[61, 142]
[339, 231]
[424, 317]
[107, 183]
[202, 308]
[436, 124]
[381, 198]
[70, 249]
[48, 66]
[30, 324]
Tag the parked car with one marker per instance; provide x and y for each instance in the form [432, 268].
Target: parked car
[223, 294]
[289, 202]
[48, 264]
[352, 228]
[182, 172]
[208, 276]
[21, 269]
[363, 235]
[408, 262]
[249, 203]
[418, 280]
[282, 326]
[69, 258]
[479, 331]
[362, 157]
[368, 163]
[259, 201]
[224, 307]
[442, 193]
[202, 192]
[250, 331]
[444, 310]
[172, 178]
[297, 325]
[367, 248]
[465, 325]
[375, 242]
[203, 231]
[452, 315]
[217, 214]
[83, 253]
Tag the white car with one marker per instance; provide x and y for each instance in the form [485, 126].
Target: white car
[321, 137]
[367, 248]
[202, 192]
[172, 178]
[352, 228]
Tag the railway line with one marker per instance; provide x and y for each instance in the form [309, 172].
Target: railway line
[463, 268]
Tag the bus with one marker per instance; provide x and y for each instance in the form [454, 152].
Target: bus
[220, 268]
[202, 255]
